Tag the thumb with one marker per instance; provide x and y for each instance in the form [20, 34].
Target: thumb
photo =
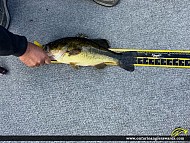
[47, 60]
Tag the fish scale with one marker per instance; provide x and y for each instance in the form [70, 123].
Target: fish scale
[87, 58]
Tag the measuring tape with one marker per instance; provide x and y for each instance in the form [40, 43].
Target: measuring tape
[160, 58]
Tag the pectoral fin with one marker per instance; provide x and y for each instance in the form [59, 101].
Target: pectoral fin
[101, 66]
[74, 65]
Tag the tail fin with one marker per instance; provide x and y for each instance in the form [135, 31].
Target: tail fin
[128, 60]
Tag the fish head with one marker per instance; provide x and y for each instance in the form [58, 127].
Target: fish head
[55, 50]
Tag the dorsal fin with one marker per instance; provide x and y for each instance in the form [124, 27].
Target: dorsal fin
[81, 35]
[102, 43]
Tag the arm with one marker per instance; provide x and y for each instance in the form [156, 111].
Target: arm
[28, 53]
[11, 44]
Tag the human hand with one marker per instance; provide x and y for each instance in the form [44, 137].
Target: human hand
[34, 56]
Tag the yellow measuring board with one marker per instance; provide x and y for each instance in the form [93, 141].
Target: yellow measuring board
[160, 58]
[150, 51]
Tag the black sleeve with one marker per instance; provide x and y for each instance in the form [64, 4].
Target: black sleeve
[11, 44]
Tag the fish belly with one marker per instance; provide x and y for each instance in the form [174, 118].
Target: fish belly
[87, 59]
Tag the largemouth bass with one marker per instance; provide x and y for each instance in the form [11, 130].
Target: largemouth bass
[80, 51]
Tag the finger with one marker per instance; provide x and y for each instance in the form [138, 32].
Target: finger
[48, 60]
[29, 63]
[37, 65]
[42, 63]
[34, 64]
